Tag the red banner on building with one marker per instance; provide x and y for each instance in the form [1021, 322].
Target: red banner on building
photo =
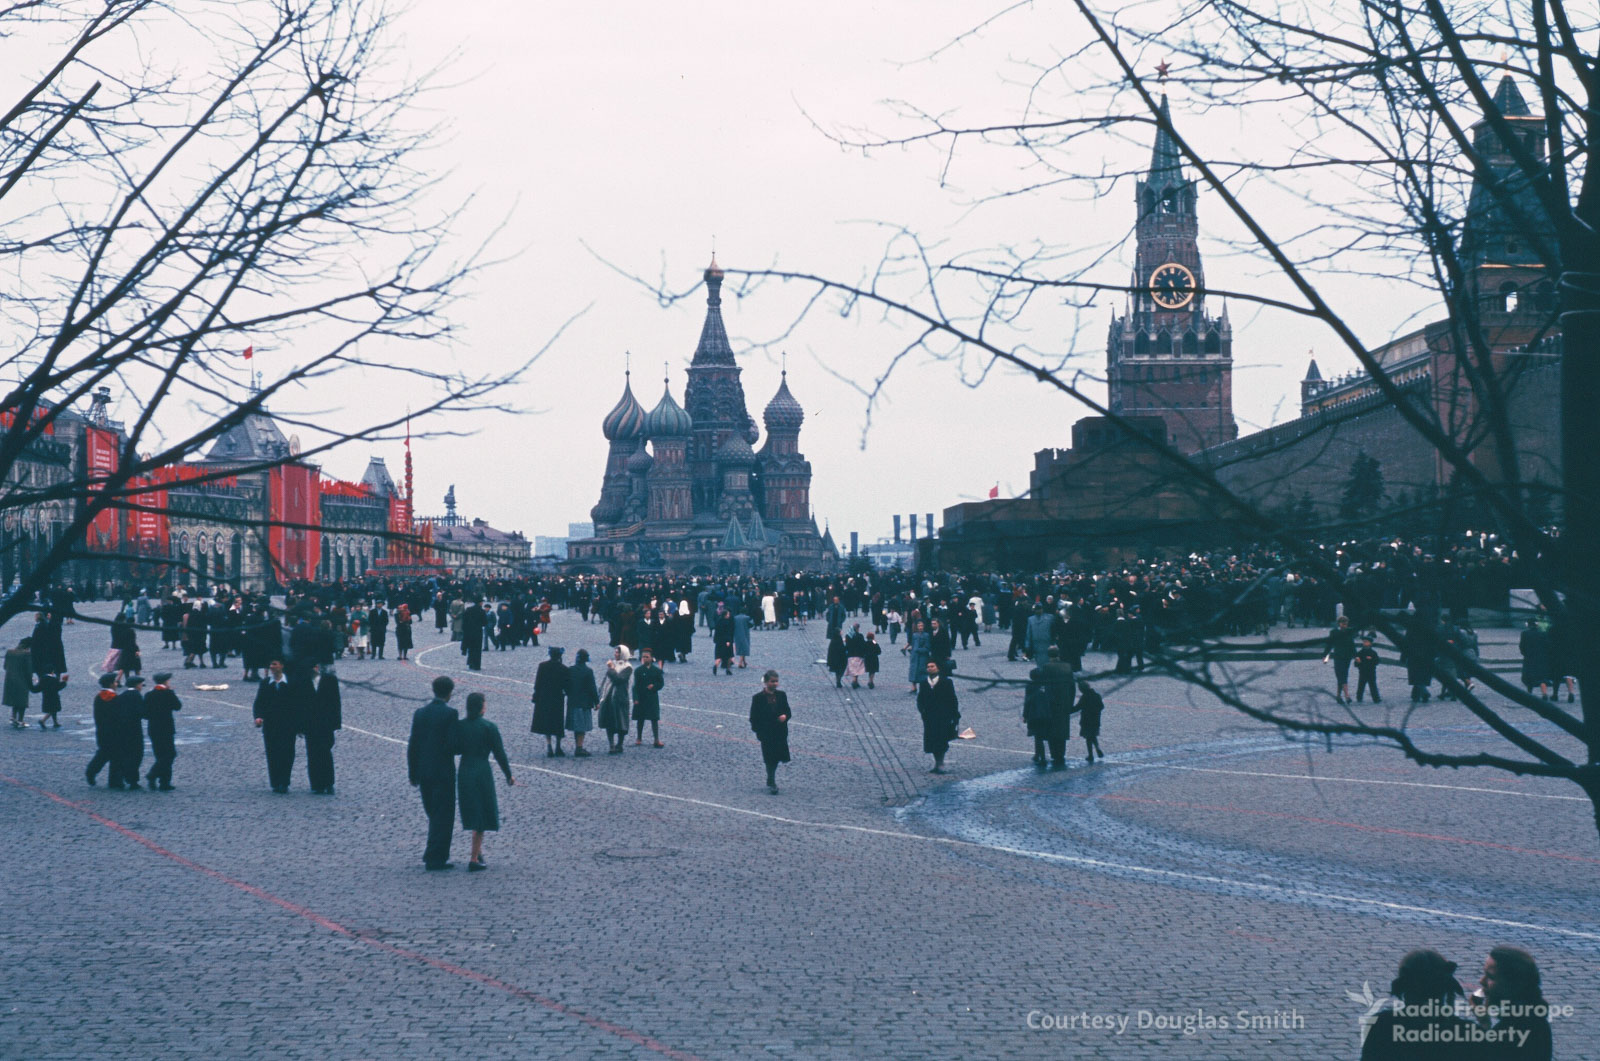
[294, 495]
[102, 451]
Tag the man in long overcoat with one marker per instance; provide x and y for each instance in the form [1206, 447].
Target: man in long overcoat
[940, 711]
[550, 703]
[324, 716]
[769, 719]
[647, 682]
[280, 716]
[1057, 679]
[431, 766]
[473, 621]
[1040, 632]
[378, 628]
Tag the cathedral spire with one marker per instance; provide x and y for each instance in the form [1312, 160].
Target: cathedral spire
[713, 348]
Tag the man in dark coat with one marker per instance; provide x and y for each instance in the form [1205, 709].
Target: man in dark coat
[835, 616]
[550, 703]
[324, 715]
[1057, 679]
[473, 622]
[647, 682]
[49, 654]
[432, 770]
[940, 711]
[1020, 615]
[769, 719]
[307, 645]
[280, 716]
[105, 732]
[378, 628]
[128, 750]
[159, 706]
[1090, 705]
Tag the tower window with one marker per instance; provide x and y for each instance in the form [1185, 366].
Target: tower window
[1508, 297]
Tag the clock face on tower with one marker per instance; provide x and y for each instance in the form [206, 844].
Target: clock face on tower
[1172, 286]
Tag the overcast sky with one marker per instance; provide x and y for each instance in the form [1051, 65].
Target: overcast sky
[630, 136]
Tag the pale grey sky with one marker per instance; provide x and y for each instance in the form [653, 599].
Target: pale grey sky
[644, 131]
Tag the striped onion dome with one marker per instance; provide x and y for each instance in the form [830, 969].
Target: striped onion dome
[667, 419]
[626, 420]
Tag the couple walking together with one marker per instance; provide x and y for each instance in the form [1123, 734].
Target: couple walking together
[438, 735]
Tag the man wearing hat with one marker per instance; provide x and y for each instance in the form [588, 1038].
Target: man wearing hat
[550, 703]
[105, 732]
[159, 705]
[128, 748]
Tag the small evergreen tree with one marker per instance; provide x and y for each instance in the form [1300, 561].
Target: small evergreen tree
[1363, 490]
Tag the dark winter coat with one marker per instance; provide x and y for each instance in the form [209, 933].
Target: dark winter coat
[837, 656]
[129, 714]
[582, 697]
[550, 699]
[647, 683]
[19, 678]
[475, 739]
[430, 758]
[159, 705]
[105, 720]
[49, 655]
[941, 714]
[773, 734]
[281, 707]
[1090, 705]
[1537, 666]
[325, 707]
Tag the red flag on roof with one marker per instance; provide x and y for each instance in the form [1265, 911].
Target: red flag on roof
[249, 352]
[994, 491]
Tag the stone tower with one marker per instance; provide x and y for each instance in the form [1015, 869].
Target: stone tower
[669, 428]
[623, 428]
[1167, 357]
[714, 400]
[785, 473]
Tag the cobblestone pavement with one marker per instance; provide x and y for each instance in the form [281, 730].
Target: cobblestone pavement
[662, 903]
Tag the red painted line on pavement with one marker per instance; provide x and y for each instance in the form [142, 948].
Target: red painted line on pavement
[1360, 826]
[598, 1023]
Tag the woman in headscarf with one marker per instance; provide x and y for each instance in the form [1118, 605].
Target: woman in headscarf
[616, 702]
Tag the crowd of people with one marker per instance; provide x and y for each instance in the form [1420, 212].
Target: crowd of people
[1051, 619]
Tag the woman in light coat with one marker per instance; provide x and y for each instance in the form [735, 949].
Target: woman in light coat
[616, 702]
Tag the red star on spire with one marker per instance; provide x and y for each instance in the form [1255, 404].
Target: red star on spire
[1161, 70]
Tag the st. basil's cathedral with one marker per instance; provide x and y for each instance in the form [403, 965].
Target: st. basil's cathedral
[686, 493]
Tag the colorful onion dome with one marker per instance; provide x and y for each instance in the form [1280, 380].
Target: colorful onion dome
[625, 421]
[641, 462]
[667, 419]
[735, 450]
[783, 412]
